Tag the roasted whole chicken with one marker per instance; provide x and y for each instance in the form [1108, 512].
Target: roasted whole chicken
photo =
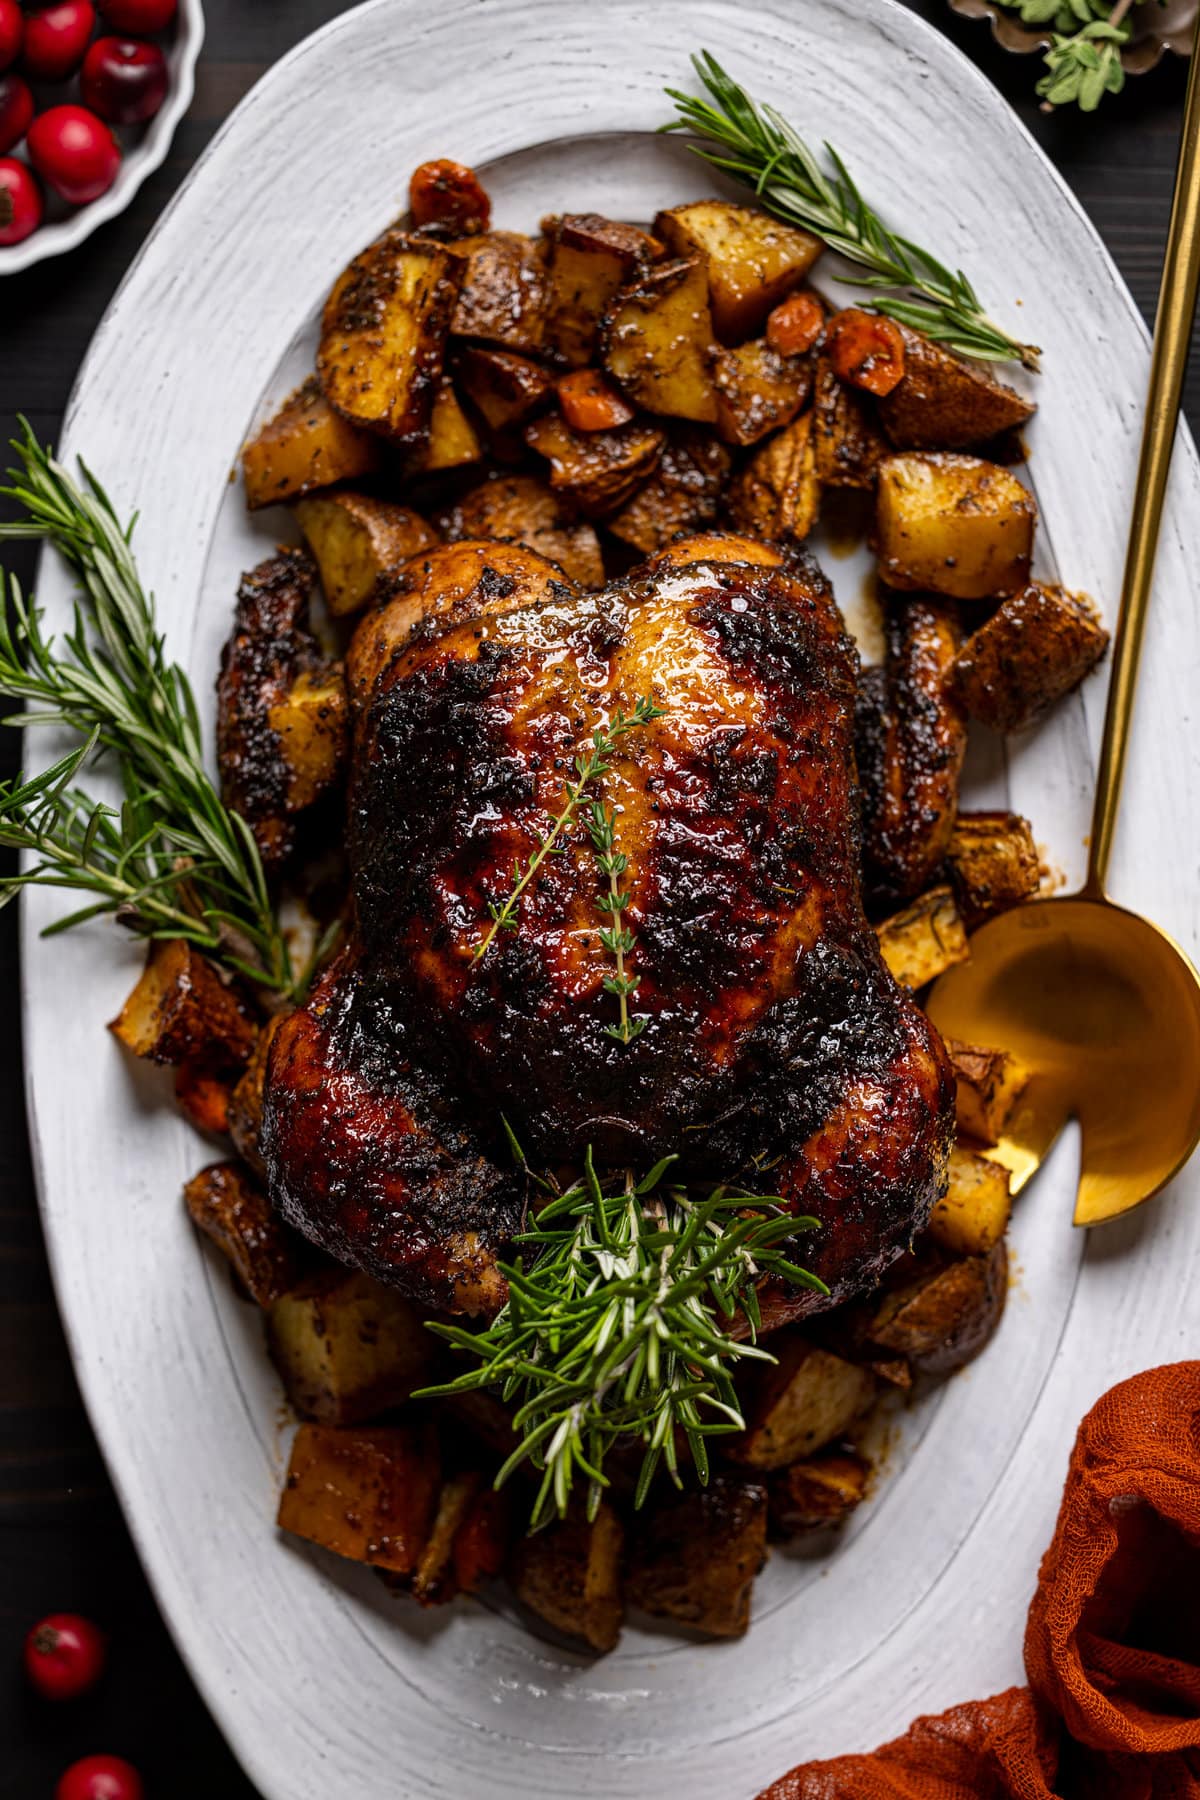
[777, 1051]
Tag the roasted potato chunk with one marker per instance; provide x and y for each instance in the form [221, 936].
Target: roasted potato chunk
[347, 1347]
[305, 446]
[818, 1493]
[848, 444]
[945, 1317]
[383, 335]
[954, 524]
[596, 470]
[990, 1082]
[656, 342]
[588, 259]
[570, 1576]
[503, 295]
[994, 863]
[230, 1208]
[758, 390]
[522, 510]
[244, 1121]
[805, 1400]
[504, 389]
[181, 1011]
[453, 441]
[752, 260]
[777, 494]
[203, 1095]
[694, 1556]
[943, 402]
[366, 1495]
[355, 540]
[923, 938]
[972, 1216]
[1034, 649]
[481, 1541]
[281, 714]
[680, 496]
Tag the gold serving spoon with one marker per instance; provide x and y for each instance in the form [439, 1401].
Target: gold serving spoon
[1099, 1003]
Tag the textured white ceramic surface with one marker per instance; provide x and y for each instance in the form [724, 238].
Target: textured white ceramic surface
[143, 156]
[323, 1684]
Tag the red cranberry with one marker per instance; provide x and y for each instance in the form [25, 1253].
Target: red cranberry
[12, 30]
[123, 80]
[64, 1656]
[100, 1778]
[16, 110]
[20, 201]
[75, 152]
[138, 15]
[56, 38]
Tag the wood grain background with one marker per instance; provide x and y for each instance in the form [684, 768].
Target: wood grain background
[62, 1542]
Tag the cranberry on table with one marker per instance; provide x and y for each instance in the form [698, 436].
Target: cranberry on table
[16, 111]
[100, 1778]
[64, 1655]
[20, 201]
[12, 31]
[139, 15]
[75, 152]
[124, 80]
[56, 38]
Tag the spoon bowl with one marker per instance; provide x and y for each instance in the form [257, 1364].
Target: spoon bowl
[1104, 1008]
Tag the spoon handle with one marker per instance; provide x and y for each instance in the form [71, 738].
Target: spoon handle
[1172, 339]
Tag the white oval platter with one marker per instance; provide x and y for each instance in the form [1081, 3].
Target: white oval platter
[323, 1684]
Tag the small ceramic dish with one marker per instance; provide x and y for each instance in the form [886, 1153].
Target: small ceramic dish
[66, 227]
[1156, 29]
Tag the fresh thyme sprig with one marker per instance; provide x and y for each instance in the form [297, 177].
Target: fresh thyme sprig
[1083, 58]
[619, 1329]
[173, 860]
[616, 937]
[588, 767]
[756, 145]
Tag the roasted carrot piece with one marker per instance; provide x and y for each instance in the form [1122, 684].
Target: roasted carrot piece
[589, 404]
[795, 324]
[867, 350]
[448, 193]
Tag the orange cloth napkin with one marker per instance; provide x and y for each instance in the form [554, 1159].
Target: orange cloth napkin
[1112, 1644]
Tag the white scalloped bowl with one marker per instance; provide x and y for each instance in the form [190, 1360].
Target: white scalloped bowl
[139, 158]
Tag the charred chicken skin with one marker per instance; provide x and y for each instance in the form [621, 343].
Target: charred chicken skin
[777, 1051]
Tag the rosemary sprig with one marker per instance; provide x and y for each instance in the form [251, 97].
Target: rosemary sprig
[757, 146]
[173, 861]
[588, 767]
[615, 937]
[619, 1329]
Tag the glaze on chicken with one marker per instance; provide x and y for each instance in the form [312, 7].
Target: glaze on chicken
[777, 1050]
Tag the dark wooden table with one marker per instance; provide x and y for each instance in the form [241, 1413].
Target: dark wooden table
[62, 1542]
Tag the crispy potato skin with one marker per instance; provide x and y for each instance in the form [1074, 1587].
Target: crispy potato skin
[588, 258]
[1034, 649]
[307, 445]
[597, 471]
[818, 1492]
[758, 390]
[946, 403]
[347, 1347]
[752, 260]
[657, 342]
[954, 524]
[276, 747]
[355, 539]
[505, 389]
[943, 1319]
[924, 938]
[502, 299]
[913, 758]
[230, 1208]
[994, 863]
[848, 444]
[365, 1494]
[694, 1556]
[682, 495]
[570, 1576]
[800, 1404]
[776, 494]
[181, 1011]
[383, 335]
[520, 509]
